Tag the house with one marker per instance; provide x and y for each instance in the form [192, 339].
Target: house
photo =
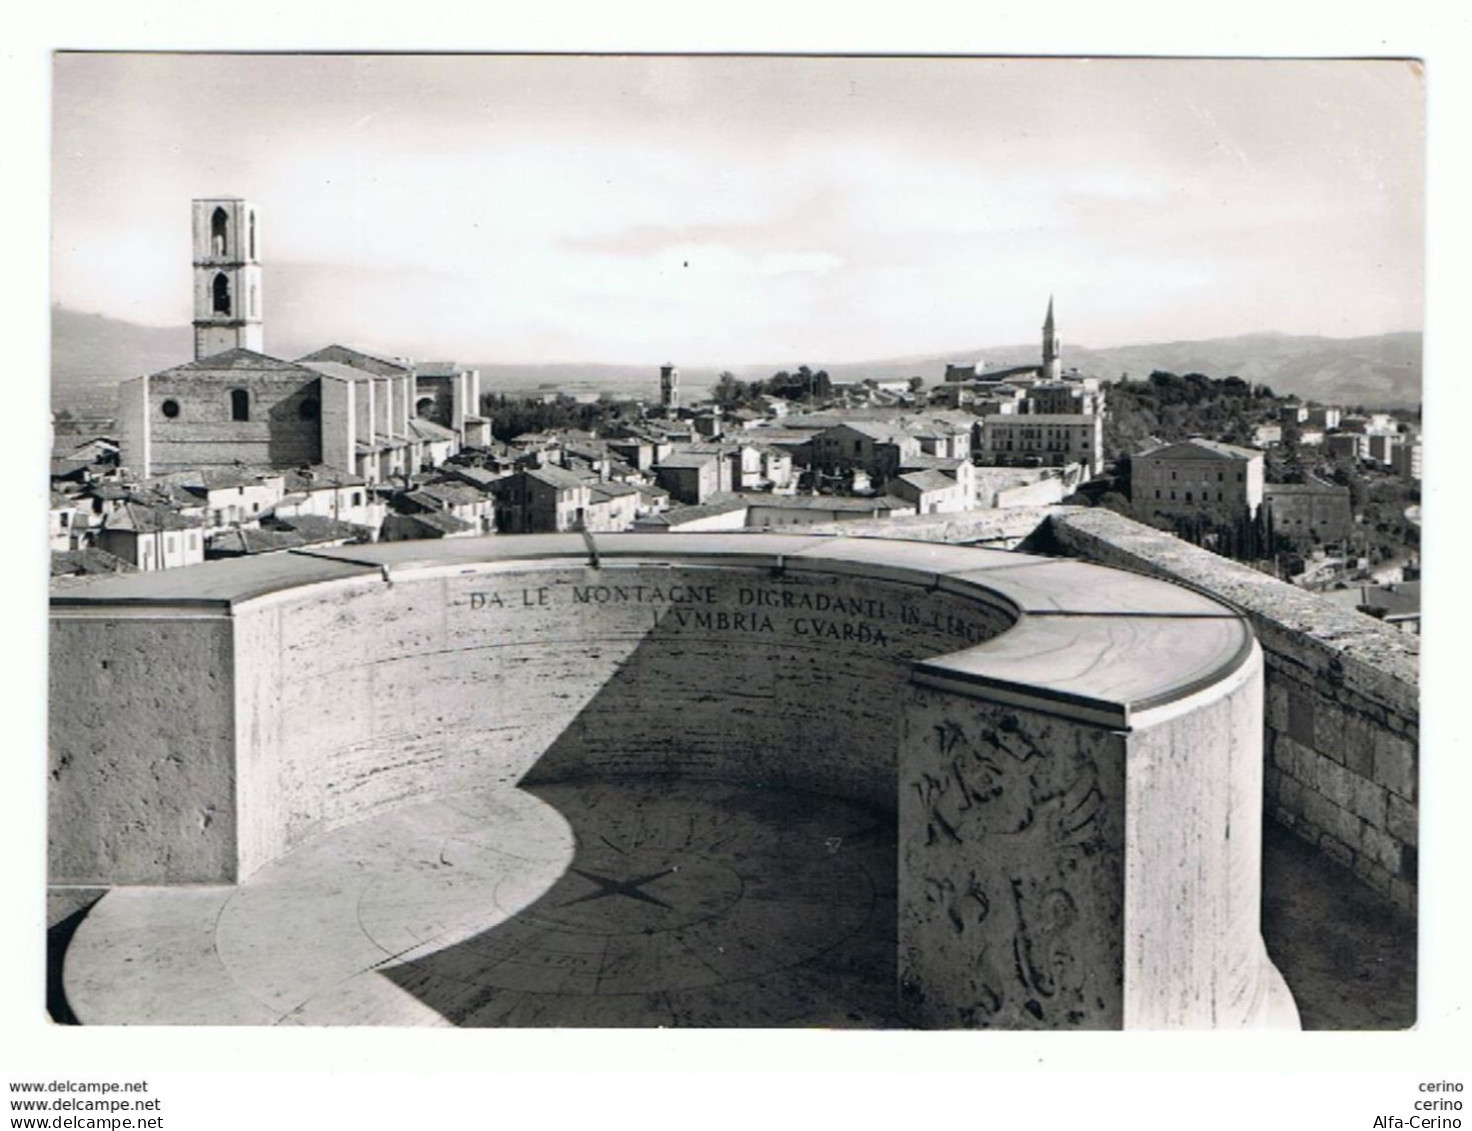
[540, 500]
[68, 522]
[877, 448]
[929, 492]
[612, 507]
[329, 493]
[1198, 478]
[1044, 440]
[151, 537]
[1314, 511]
[692, 476]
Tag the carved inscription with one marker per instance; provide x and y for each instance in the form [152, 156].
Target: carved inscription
[808, 613]
[991, 790]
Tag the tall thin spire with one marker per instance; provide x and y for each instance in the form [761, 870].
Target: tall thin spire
[1052, 363]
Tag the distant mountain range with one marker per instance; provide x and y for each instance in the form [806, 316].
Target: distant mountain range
[91, 353]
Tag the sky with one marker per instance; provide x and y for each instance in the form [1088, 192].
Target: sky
[730, 210]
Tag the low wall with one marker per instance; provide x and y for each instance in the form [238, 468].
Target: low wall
[1077, 822]
[1342, 707]
[1004, 528]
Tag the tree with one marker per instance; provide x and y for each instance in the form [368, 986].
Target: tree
[728, 392]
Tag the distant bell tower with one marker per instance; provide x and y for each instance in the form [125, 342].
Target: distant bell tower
[1052, 348]
[227, 277]
[669, 386]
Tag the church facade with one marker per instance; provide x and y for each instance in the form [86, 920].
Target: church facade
[234, 404]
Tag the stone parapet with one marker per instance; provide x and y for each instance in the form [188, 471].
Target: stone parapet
[1342, 699]
[1078, 822]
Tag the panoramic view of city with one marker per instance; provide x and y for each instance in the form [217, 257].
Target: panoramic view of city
[735, 542]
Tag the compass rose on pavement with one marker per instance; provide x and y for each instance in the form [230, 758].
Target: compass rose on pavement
[631, 888]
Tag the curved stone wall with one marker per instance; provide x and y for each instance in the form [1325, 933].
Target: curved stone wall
[362, 695]
[1072, 753]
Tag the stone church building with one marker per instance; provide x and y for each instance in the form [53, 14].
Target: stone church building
[360, 412]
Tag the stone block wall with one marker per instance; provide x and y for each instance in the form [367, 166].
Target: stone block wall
[142, 783]
[440, 683]
[1342, 712]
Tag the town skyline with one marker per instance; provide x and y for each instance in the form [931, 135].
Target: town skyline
[842, 209]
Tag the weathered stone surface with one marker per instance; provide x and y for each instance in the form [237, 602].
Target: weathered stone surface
[1085, 812]
[142, 777]
[1342, 688]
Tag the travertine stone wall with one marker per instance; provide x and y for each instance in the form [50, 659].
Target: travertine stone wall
[1012, 860]
[1078, 821]
[1342, 700]
[142, 782]
[447, 681]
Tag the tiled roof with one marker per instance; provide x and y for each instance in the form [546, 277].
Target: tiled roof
[429, 431]
[318, 528]
[366, 355]
[247, 540]
[1314, 488]
[238, 360]
[824, 502]
[611, 490]
[1194, 449]
[433, 523]
[1041, 418]
[318, 477]
[437, 369]
[339, 371]
[453, 494]
[146, 520]
[684, 460]
[70, 563]
[928, 480]
[715, 505]
[554, 477]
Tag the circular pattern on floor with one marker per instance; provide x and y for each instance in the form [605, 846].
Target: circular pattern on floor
[630, 903]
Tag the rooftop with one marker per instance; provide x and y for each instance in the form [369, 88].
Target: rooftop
[1198, 449]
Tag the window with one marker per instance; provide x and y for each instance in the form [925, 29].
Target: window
[219, 225]
[1157, 492]
[1188, 496]
[193, 540]
[252, 250]
[239, 408]
[169, 408]
[357, 498]
[220, 291]
[169, 543]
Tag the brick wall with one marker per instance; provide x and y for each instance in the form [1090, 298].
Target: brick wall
[1342, 709]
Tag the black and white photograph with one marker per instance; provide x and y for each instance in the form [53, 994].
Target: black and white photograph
[824, 545]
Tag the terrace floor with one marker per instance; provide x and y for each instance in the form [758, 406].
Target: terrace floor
[1347, 954]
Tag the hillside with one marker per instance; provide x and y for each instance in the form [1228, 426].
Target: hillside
[91, 353]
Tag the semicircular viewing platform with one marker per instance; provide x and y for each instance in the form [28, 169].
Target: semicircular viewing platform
[726, 779]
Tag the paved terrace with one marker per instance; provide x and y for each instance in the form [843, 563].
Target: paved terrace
[409, 782]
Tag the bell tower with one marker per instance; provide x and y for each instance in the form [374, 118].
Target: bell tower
[1052, 347]
[227, 277]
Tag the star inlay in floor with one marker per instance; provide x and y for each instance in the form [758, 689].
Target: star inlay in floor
[630, 903]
